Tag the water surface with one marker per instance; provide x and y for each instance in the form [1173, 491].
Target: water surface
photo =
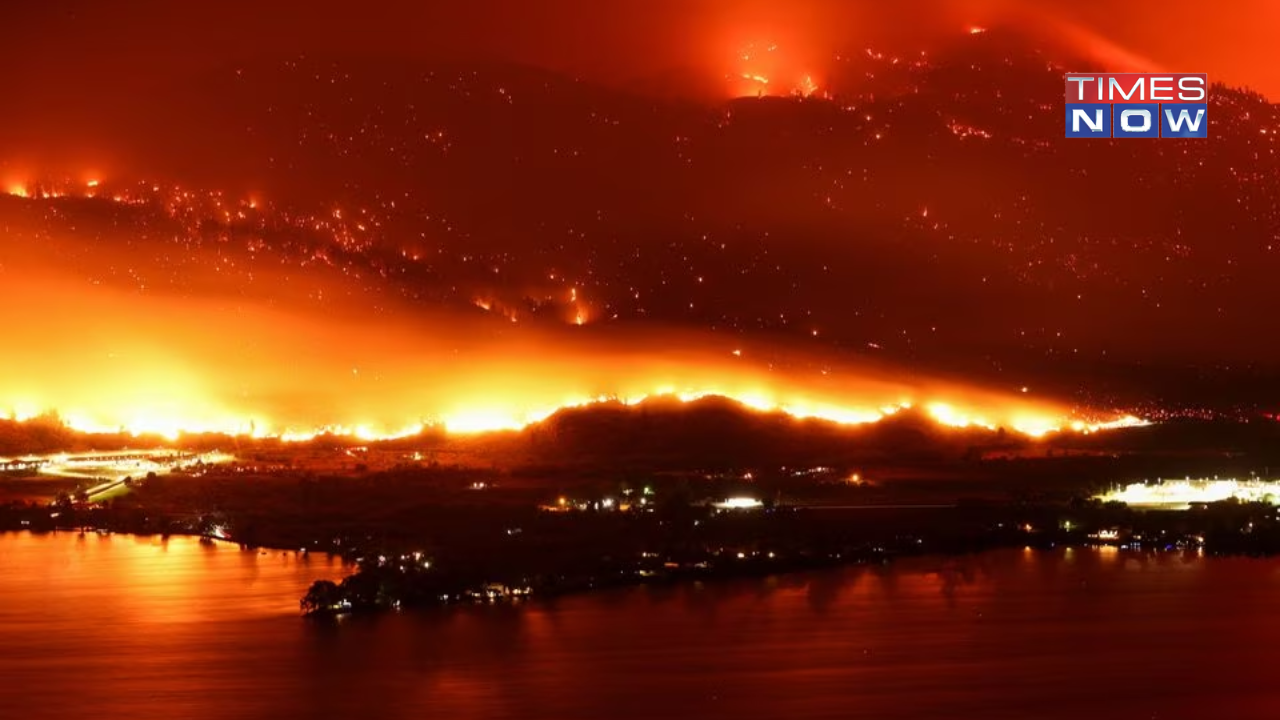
[138, 628]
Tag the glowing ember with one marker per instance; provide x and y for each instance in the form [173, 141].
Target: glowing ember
[807, 86]
[186, 367]
[765, 70]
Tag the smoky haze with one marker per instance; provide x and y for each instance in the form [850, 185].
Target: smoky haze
[225, 355]
[99, 51]
[322, 213]
[72, 68]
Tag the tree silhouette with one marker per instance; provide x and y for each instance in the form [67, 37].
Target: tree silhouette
[324, 595]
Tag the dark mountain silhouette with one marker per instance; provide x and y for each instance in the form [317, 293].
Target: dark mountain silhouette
[716, 432]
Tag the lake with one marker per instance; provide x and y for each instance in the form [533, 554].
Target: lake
[128, 627]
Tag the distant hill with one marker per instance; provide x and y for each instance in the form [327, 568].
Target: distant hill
[715, 432]
[921, 182]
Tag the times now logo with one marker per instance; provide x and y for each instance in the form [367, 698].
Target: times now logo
[1138, 105]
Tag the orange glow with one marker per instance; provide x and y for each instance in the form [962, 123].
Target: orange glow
[194, 382]
[1181, 494]
[196, 367]
[578, 308]
[765, 69]
[488, 414]
[284, 363]
[807, 86]
[1100, 48]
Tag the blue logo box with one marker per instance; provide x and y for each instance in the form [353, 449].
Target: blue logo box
[1137, 120]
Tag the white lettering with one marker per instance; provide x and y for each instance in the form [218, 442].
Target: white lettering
[1080, 81]
[1155, 89]
[1116, 89]
[1184, 117]
[1144, 114]
[1191, 89]
[1094, 123]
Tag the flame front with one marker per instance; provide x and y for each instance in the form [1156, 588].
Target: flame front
[764, 69]
[266, 354]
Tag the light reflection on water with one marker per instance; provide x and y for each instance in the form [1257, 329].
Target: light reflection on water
[134, 627]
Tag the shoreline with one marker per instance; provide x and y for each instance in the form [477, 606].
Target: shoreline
[496, 554]
[754, 568]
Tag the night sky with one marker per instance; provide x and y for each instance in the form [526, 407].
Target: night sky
[307, 214]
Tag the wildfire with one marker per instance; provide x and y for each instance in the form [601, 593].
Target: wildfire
[487, 415]
[807, 86]
[578, 308]
[492, 306]
[351, 230]
[764, 70]
[118, 361]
